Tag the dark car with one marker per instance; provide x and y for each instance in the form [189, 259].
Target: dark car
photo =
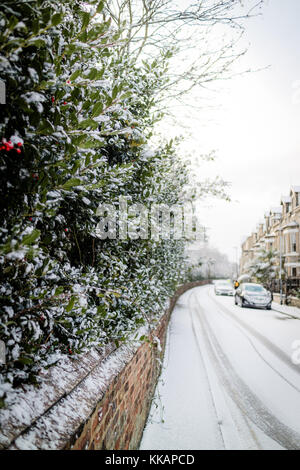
[253, 295]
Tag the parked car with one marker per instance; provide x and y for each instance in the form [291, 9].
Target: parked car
[223, 288]
[253, 295]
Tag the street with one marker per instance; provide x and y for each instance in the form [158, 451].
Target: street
[228, 379]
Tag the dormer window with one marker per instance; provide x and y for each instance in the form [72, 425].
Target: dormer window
[287, 207]
[297, 199]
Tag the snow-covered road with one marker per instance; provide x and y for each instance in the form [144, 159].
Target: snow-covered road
[228, 379]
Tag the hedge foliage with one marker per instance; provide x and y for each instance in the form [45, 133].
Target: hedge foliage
[75, 131]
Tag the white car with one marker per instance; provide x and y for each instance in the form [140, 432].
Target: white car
[223, 288]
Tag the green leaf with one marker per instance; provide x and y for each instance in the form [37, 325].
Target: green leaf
[115, 92]
[35, 26]
[80, 332]
[37, 42]
[92, 74]
[46, 127]
[71, 304]
[59, 290]
[31, 237]
[88, 123]
[56, 19]
[116, 294]
[100, 7]
[91, 144]
[97, 109]
[126, 95]
[71, 183]
[75, 75]
[85, 19]
[25, 360]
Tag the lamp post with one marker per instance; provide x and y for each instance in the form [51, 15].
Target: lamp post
[210, 263]
[236, 260]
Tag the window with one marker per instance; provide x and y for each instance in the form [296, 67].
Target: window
[254, 288]
[293, 242]
[297, 199]
[294, 272]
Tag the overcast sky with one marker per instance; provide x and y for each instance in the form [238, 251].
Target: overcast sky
[257, 128]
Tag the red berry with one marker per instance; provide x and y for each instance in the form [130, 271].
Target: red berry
[19, 144]
[66, 229]
[65, 102]
[70, 351]
[68, 81]
[31, 219]
[9, 145]
[53, 99]
[18, 150]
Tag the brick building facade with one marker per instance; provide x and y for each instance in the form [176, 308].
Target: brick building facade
[280, 232]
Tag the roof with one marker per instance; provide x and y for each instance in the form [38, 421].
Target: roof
[286, 199]
[276, 210]
[295, 189]
[291, 224]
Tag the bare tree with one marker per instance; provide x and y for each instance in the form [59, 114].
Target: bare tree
[192, 37]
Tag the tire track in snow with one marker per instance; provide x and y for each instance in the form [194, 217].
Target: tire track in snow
[263, 339]
[235, 320]
[248, 403]
[222, 410]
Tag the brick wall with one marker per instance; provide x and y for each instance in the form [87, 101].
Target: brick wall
[100, 400]
[119, 419]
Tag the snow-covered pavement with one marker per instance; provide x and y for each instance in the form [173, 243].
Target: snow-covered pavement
[228, 379]
[287, 309]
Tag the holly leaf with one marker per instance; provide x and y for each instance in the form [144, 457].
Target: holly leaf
[56, 19]
[31, 237]
[71, 183]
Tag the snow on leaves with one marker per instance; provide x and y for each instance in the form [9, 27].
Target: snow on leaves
[82, 114]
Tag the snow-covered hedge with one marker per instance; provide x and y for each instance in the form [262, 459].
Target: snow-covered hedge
[74, 133]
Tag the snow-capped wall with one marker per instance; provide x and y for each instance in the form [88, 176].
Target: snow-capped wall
[100, 401]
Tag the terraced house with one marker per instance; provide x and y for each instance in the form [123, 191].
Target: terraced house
[279, 232]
